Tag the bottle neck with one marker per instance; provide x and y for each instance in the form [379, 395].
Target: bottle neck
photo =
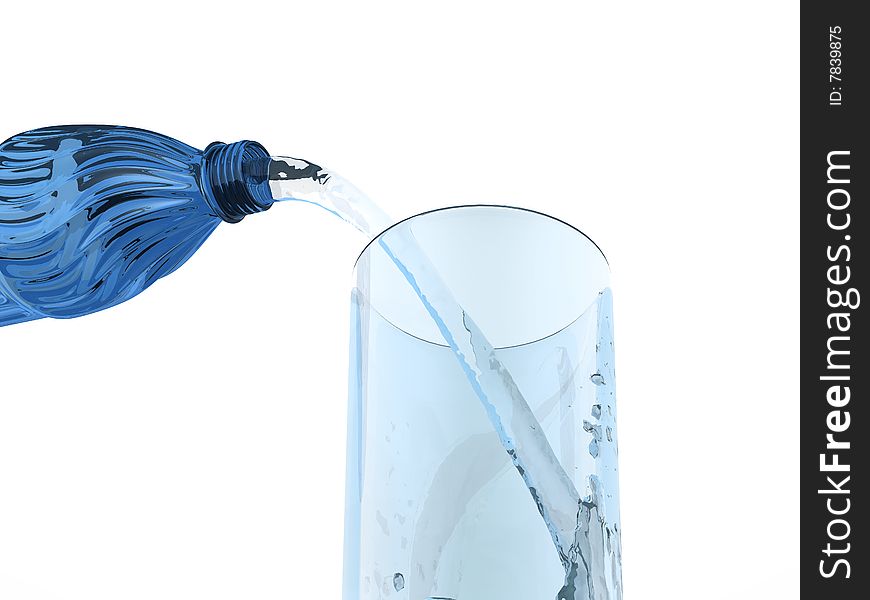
[235, 179]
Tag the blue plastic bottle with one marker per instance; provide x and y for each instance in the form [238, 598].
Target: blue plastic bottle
[92, 215]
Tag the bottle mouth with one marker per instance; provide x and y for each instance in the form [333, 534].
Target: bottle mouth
[236, 179]
[521, 274]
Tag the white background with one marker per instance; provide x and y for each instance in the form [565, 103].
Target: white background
[190, 443]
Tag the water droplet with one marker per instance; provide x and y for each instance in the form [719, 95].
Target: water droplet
[399, 582]
[596, 411]
[595, 430]
[609, 434]
[593, 448]
[597, 379]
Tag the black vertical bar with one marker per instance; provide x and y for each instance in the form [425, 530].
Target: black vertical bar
[835, 368]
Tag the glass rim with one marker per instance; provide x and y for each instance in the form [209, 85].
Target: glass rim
[461, 206]
[566, 229]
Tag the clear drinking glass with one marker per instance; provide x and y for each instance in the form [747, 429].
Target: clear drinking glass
[436, 509]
